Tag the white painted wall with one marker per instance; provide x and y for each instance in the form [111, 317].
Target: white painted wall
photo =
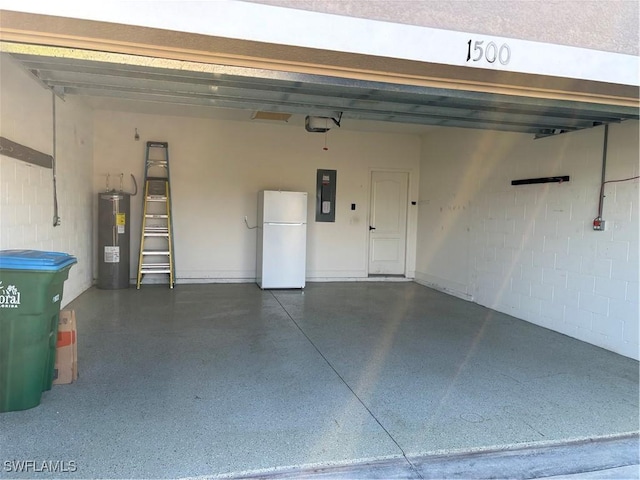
[530, 251]
[217, 168]
[26, 191]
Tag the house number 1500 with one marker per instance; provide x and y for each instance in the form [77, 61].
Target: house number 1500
[477, 51]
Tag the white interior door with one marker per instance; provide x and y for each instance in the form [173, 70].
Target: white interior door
[388, 223]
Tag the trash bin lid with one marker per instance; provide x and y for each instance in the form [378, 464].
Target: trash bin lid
[35, 260]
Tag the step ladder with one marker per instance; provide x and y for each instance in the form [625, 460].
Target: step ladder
[156, 242]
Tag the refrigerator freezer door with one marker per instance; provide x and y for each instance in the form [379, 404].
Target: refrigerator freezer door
[284, 207]
[283, 256]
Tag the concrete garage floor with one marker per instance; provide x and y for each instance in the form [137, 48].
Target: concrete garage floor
[371, 379]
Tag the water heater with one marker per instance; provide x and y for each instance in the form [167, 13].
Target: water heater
[113, 239]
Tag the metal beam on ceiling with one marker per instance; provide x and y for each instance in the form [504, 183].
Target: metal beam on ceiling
[132, 77]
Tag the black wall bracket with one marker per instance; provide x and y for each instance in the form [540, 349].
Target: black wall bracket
[530, 181]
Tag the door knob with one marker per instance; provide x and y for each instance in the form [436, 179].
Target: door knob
[371, 228]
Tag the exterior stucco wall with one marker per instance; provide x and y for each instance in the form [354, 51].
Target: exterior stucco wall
[612, 26]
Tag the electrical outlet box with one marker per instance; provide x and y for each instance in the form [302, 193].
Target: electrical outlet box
[598, 224]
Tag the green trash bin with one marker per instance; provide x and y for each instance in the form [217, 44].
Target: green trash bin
[31, 284]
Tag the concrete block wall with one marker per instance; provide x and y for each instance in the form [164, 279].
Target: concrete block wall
[531, 250]
[26, 191]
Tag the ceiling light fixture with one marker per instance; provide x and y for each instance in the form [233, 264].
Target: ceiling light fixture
[277, 116]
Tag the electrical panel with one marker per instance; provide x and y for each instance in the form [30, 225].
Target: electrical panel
[326, 195]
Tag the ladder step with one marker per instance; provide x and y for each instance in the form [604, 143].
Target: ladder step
[157, 164]
[156, 198]
[156, 234]
[155, 252]
[155, 270]
[156, 215]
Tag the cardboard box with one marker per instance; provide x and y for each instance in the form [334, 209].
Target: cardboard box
[66, 367]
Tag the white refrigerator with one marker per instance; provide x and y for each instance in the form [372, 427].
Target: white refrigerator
[282, 239]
